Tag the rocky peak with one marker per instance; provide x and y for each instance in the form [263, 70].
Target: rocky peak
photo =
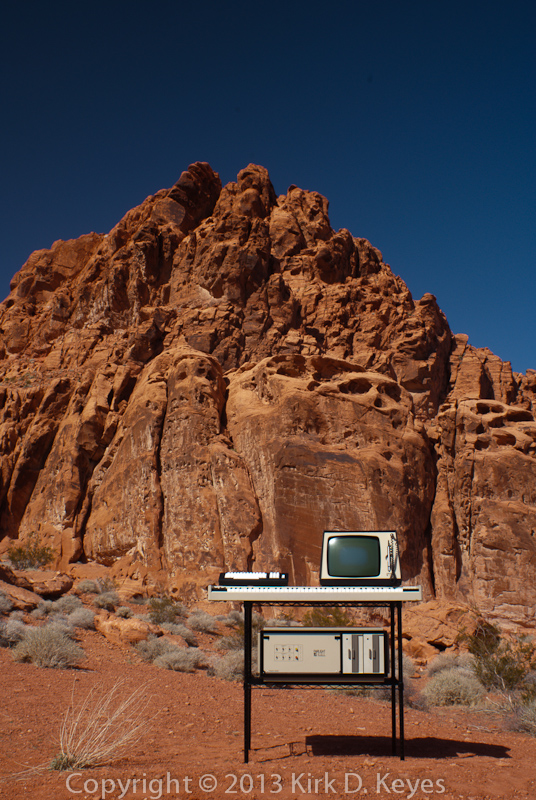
[223, 375]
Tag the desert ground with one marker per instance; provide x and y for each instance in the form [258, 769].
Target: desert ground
[305, 743]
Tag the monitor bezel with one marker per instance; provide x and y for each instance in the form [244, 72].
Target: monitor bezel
[383, 579]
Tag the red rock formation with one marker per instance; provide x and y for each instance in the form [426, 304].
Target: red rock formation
[223, 376]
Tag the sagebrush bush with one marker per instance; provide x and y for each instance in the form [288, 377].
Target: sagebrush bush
[143, 617]
[235, 619]
[163, 653]
[43, 609]
[230, 666]
[14, 631]
[165, 609]
[528, 692]
[203, 622]
[105, 584]
[107, 600]
[152, 648]
[408, 667]
[234, 642]
[48, 646]
[124, 612]
[95, 586]
[82, 618]
[67, 603]
[460, 661]
[452, 687]
[411, 697]
[441, 662]
[178, 629]
[4, 641]
[61, 623]
[5, 603]
[181, 659]
[499, 662]
[524, 718]
[11, 632]
[87, 586]
[30, 554]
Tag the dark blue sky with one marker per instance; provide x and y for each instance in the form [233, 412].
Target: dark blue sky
[415, 119]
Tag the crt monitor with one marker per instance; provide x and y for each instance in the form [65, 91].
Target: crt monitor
[360, 558]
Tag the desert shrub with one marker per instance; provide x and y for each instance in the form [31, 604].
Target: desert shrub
[234, 619]
[95, 586]
[152, 648]
[460, 661]
[82, 618]
[31, 554]
[124, 612]
[201, 621]
[528, 692]
[48, 646]
[4, 641]
[5, 603]
[236, 640]
[181, 659]
[230, 666]
[165, 609]
[408, 667]
[411, 697]
[441, 662]
[452, 687]
[44, 608]
[14, 631]
[105, 584]
[107, 600]
[181, 630]
[524, 718]
[143, 617]
[163, 653]
[11, 632]
[499, 662]
[62, 623]
[67, 603]
[101, 728]
[87, 586]
[319, 617]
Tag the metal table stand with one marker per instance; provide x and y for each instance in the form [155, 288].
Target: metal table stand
[392, 681]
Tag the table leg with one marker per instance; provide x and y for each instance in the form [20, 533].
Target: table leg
[401, 679]
[393, 687]
[247, 679]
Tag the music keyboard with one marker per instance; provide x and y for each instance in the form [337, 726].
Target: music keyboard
[253, 579]
[315, 594]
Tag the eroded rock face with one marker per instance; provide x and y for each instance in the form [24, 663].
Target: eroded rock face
[341, 450]
[222, 377]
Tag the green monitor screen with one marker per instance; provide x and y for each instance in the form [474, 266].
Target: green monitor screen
[353, 556]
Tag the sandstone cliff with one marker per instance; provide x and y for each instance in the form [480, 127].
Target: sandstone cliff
[223, 376]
